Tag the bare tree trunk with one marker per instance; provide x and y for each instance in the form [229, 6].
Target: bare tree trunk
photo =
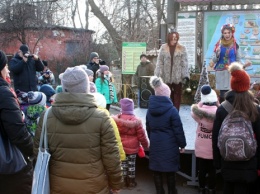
[73, 13]
[86, 14]
[111, 30]
[77, 4]
[129, 21]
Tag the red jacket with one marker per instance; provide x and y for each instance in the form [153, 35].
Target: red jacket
[131, 132]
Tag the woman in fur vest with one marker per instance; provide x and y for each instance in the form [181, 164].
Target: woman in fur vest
[172, 66]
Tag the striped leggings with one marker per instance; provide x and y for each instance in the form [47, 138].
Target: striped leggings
[128, 166]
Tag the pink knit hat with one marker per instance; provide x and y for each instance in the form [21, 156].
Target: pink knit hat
[127, 106]
[160, 88]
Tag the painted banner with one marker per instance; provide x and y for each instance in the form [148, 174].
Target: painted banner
[186, 28]
[247, 35]
[131, 52]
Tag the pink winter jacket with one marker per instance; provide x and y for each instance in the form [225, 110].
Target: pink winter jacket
[204, 115]
[131, 132]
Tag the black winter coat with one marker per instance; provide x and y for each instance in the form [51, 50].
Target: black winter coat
[244, 171]
[165, 131]
[13, 126]
[24, 73]
[94, 67]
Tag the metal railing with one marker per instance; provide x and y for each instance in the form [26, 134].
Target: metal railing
[127, 91]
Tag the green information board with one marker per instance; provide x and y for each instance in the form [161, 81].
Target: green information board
[131, 52]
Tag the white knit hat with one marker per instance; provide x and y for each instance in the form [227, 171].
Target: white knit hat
[36, 98]
[75, 80]
[208, 95]
[100, 100]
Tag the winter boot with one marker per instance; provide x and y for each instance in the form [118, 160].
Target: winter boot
[131, 183]
[202, 191]
[171, 183]
[158, 181]
[211, 191]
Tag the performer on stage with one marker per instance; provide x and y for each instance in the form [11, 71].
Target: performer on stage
[226, 51]
[172, 66]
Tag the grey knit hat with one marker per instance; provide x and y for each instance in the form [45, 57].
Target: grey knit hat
[75, 80]
[88, 71]
[92, 55]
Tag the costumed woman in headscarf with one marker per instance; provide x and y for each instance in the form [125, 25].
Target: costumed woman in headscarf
[226, 51]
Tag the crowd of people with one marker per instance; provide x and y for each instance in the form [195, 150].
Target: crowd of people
[94, 152]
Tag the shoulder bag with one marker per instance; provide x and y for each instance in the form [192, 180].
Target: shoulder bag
[41, 182]
[11, 158]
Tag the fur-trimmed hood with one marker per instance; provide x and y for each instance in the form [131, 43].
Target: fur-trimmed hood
[130, 122]
[204, 111]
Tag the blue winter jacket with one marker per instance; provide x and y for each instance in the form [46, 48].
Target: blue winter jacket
[164, 128]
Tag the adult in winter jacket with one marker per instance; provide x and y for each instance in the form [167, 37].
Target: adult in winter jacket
[172, 66]
[12, 127]
[238, 176]
[132, 135]
[145, 68]
[82, 143]
[94, 64]
[165, 131]
[24, 67]
[204, 114]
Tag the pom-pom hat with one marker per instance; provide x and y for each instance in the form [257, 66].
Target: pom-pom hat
[127, 106]
[36, 98]
[208, 95]
[160, 88]
[240, 80]
[75, 80]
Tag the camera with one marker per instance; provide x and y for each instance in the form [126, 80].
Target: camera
[28, 55]
[102, 62]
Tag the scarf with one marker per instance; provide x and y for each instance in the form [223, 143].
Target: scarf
[227, 43]
[111, 91]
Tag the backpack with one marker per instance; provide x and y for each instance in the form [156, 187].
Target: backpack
[236, 141]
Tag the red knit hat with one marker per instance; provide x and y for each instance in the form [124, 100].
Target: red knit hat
[240, 80]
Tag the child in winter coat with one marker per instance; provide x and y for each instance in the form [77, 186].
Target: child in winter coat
[132, 134]
[90, 73]
[164, 128]
[105, 86]
[37, 104]
[101, 103]
[204, 113]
